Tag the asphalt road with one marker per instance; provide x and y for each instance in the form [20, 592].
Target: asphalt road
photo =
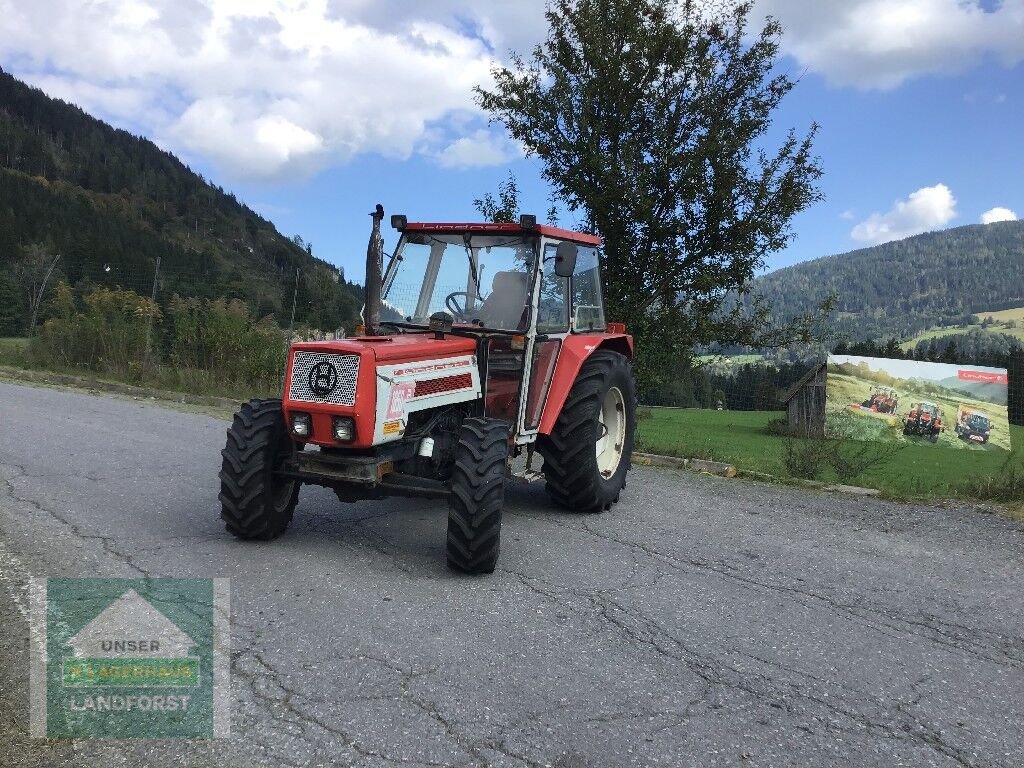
[702, 622]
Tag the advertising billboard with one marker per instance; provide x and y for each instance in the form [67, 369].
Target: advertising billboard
[955, 406]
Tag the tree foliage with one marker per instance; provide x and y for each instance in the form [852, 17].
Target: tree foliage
[501, 208]
[650, 117]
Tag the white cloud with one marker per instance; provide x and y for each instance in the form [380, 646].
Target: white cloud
[481, 148]
[272, 88]
[927, 209]
[998, 214]
[882, 43]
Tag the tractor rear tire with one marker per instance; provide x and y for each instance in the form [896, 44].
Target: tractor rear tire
[584, 472]
[255, 503]
[477, 495]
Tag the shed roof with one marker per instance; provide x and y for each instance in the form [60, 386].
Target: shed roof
[790, 393]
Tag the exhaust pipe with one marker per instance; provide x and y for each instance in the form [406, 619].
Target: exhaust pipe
[374, 274]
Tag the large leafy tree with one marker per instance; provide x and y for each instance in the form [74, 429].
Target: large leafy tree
[650, 118]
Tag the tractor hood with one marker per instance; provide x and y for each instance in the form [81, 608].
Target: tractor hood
[401, 348]
[377, 382]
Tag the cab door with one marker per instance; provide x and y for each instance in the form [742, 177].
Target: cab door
[551, 324]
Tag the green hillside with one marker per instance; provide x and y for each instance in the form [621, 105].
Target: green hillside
[898, 290]
[111, 203]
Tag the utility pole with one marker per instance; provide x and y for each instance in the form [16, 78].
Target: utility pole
[291, 324]
[295, 296]
[149, 327]
[39, 297]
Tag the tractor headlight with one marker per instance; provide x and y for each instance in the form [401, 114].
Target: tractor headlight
[344, 429]
[302, 425]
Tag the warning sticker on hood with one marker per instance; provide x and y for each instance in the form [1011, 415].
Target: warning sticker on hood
[400, 393]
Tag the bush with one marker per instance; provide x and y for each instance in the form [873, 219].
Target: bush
[106, 334]
[804, 459]
[200, 345]
[848, 459]
[1007, 486]
[221, 336]
[779, 427]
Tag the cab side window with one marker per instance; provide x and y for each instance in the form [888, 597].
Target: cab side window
[587, 307]
[553, 307]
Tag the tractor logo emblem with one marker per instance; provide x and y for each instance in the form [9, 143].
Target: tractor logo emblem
[323, 379]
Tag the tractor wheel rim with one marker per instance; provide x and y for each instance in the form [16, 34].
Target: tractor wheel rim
[612, 432]
[282, 494]
[281, 490]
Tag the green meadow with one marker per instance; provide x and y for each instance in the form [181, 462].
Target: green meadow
[910, 470]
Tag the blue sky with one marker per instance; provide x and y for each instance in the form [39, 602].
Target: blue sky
[313, 110]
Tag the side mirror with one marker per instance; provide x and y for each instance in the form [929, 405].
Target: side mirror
[565, 258]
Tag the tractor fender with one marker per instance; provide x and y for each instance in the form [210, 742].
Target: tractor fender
[574, 351]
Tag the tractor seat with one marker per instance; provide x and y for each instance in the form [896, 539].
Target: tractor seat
[505, 307]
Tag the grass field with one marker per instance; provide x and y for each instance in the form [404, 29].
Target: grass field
[741, 438]
[12, 344]
[1004, 316]
[1001, 319]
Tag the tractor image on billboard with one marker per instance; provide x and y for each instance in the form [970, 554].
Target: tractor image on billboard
[882, 401]
[973, 425]
[925, 420]
[482, 343]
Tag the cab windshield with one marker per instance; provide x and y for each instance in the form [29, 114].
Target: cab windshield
[977, 421]
[480, 279]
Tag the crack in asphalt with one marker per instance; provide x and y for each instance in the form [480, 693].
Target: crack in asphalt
[643, 630]
[938, 631]
[106, 542]
[291, 700]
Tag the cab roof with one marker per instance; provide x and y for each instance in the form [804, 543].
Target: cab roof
[504, 228]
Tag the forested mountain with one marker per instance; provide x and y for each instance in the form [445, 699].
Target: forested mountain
[110, 203]
[899, 289]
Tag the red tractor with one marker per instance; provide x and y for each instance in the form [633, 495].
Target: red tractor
[483, 342]
[882, 401]
[924, 419]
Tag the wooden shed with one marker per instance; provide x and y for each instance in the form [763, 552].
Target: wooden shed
[805, 404]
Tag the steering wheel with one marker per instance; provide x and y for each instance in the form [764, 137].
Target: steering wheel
[451, 301]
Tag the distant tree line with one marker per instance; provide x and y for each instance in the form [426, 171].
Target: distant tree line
[756, 386]
[742, 387]
[899, 289]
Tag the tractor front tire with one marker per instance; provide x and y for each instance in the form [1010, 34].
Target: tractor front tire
[588, 453]
[477, 495]
[255, 503]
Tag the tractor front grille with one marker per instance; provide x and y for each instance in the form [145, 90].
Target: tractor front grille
[312, 381]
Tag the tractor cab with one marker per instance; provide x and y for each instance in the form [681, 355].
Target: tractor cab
[482, 342]
[518, 290]
[494, 278]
